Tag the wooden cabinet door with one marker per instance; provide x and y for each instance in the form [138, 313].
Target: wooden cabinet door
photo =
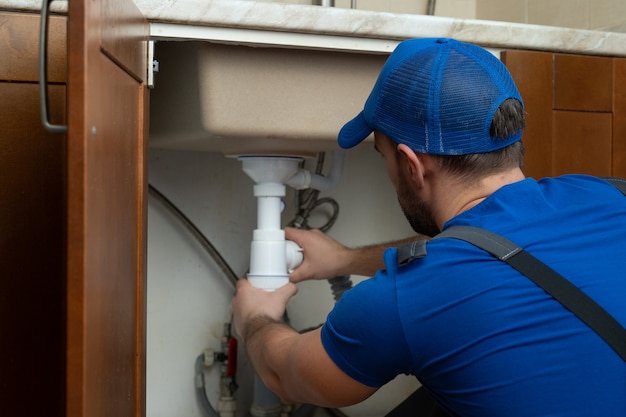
[107, 135]
[575, 112]
[32, 222]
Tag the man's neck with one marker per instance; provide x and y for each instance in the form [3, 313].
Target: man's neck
[456, 197]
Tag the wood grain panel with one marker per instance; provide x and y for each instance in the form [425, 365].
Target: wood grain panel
[126, 44]
[111, 236]
[582, 143]
[106, 223]
[32, 222]
[32, 244]
[619, 119]
[19, 40]
[532, 72]
[583, 83]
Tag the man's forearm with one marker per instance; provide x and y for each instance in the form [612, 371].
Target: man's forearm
[263, 338]
[296, 366]
[367, 260]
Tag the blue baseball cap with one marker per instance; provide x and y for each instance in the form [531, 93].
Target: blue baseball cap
[437, 96]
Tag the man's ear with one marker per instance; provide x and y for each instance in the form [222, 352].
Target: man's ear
[412, 163]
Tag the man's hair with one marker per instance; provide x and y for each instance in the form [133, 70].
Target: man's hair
[507, 121]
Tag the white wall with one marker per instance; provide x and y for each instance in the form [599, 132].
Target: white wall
[188, 297]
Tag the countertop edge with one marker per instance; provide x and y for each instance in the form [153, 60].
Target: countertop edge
[331, 21]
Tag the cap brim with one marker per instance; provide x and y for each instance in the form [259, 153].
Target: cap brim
[354, 132]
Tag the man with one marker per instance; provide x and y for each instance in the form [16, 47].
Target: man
[482, 338]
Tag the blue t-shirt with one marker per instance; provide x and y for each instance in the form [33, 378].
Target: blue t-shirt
[481, 337]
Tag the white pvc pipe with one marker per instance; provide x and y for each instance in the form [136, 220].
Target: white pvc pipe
[304, 179]
[269, 205]
[270, 260]
[271, 256]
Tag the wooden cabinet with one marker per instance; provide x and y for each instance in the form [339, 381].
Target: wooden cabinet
[72, 214]
[32, 222]
[575, 111]
[107, 143]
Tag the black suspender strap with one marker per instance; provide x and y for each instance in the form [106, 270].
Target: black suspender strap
[619, 183]
[549, 280]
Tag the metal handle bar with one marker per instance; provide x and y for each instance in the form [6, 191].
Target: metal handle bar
[43, 71]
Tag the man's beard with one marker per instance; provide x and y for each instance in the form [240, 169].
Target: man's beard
[416, 211]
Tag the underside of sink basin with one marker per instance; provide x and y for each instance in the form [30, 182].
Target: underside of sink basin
[240, 99]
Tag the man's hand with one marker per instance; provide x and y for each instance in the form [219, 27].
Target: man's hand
[323, 257]
[251, 302]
